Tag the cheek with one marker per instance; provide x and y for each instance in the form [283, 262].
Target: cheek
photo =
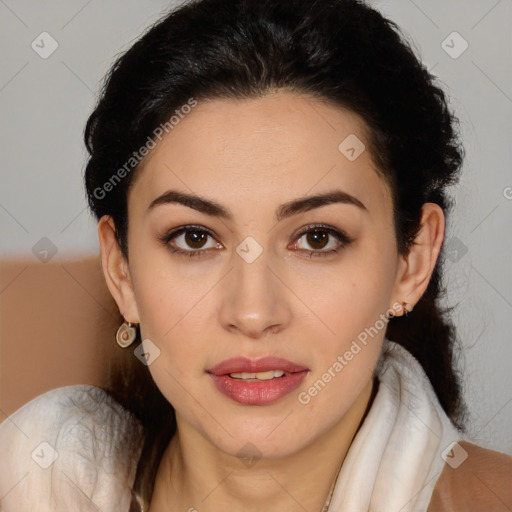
[173, 317]
[353, 309]
[167, 290]
[173, 314]
[175, 310]
[352, 294]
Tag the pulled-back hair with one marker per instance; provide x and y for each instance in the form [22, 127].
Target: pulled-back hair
[340, 51]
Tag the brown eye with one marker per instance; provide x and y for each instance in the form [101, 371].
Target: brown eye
[196, 239]
[317, 239]
[321, 241]
[190, 241]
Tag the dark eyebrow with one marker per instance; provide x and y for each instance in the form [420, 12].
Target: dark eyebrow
[294, 207]
[305, 204]
[192, 201]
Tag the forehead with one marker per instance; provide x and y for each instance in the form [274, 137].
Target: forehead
[263, 150]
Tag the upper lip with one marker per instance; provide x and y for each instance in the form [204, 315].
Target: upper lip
[264, 364]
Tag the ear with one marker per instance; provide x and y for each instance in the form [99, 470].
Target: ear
[415, 269]
[116, 270]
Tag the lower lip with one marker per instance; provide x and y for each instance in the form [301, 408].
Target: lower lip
[258, 393]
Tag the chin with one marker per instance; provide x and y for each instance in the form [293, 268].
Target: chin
[270, 438]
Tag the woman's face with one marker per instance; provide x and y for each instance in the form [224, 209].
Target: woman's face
[262, 270]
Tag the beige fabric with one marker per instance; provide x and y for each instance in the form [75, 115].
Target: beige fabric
[481, 483]
[396, 457]
[66, 451]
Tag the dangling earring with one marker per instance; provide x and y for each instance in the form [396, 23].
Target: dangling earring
[126, 334]
[406, 311]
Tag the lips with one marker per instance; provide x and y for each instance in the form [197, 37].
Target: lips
[257, 382]
[265, 364]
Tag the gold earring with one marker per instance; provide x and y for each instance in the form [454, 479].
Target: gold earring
[126, 334]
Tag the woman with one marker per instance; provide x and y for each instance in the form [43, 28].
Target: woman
[269, 182]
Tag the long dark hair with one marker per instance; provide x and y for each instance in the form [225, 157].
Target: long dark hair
[341, 51]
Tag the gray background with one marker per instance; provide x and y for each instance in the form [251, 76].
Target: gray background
[45, 103]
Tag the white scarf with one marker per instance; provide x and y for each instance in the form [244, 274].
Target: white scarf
[396, 457]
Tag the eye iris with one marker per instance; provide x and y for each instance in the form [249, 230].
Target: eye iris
[317, 239]
[195, 239]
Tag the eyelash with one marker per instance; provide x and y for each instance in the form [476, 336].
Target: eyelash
[343, 238]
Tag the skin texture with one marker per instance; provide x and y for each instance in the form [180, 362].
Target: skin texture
[251, 156]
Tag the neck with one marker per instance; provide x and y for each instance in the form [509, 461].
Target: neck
[195, 476]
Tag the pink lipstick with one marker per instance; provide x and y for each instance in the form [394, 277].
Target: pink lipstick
[257, 382]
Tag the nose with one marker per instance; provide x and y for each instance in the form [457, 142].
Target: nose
[254, 301]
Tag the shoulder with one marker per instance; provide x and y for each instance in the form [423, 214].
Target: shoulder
[72, 447]
[473, 479]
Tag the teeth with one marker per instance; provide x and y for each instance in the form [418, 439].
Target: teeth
[271, 374]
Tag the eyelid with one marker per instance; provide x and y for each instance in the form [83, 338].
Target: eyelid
[169, 235]
[338, 233]
[173, 232]
[343, 240]
[176, 232]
